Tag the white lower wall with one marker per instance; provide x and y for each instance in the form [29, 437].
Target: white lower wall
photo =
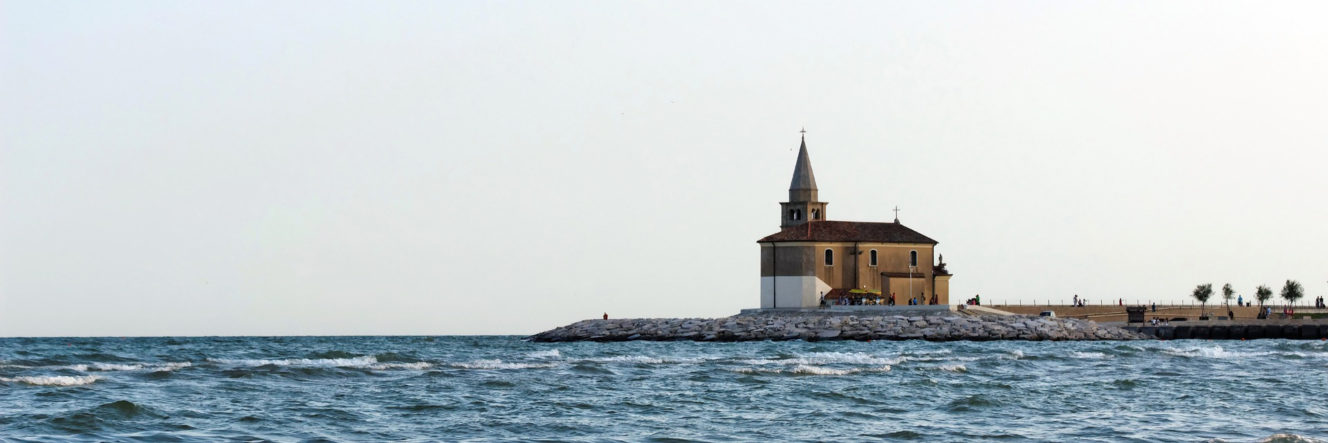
[793, 291]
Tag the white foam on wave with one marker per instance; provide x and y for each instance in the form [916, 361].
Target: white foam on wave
[53, 380]
[499, 364]
[953, 368]
[106, 367]
[644, 359]
[833, 358]
[1212, 352]
[419, 365]
[949, 358]
[365, 362]
[803, 369]
[820, 370]
[552, 353]
[1015, 354]
[1087, 355]
[639, 359]
[826, 358]
[109, 367]
[1289, 438]
[354, 362]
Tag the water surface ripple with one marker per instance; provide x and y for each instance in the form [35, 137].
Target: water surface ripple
[501, 388]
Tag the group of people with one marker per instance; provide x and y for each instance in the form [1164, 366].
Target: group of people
[975, 301]
[883, 301]
[1318, 302]
[1079, 302]
[918, 300]
[846, 301]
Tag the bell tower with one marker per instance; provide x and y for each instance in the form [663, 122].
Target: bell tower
[802, 205]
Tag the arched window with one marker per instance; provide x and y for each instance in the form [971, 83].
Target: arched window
[816, 214]
[872, 258]
[912, 258]
[795, 214]
[829, 257]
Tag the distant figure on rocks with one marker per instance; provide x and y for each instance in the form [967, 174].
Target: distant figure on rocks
[606, 316]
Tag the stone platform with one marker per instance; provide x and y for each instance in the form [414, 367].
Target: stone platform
[933, 323]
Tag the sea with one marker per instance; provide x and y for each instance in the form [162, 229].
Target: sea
[501, 388]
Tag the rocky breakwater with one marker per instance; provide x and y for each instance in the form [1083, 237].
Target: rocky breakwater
[817, 326]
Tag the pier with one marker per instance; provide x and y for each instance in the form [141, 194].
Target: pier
[1300, 329]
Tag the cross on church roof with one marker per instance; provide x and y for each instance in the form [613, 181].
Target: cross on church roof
[896, 213]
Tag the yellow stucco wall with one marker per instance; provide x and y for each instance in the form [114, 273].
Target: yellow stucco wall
[852, 266]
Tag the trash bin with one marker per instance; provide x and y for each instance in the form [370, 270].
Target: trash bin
[1135, 313]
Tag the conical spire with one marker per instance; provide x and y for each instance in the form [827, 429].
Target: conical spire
[802, 205]
[803, 178]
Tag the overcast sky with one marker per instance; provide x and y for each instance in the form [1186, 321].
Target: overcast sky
[320, 167]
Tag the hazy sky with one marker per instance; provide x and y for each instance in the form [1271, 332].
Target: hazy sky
[448, 167]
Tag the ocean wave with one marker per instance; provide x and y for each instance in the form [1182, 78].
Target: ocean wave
[639, 359]
[363, 362]
[950, 358]
[552, 353]
[53, 380]
[1088, 355]
[109, 367]
[499, 364]
[353, 362]
[1212, 352]
[803, 369]
[419, 365]
[1015, 354]
[953, 368]
[1289, 438]
[643, 359]
[106, 367]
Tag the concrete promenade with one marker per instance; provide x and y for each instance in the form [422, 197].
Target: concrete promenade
[1116, 313]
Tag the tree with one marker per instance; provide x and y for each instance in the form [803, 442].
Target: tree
[1201, 293]
[1263, 294]
[1292, 291]
[1227, 294]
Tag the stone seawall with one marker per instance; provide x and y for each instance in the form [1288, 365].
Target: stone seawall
[829, 326]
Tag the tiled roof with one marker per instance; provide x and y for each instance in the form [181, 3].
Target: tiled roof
[846, 231]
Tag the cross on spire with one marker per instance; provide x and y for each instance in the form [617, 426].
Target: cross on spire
[896, 214]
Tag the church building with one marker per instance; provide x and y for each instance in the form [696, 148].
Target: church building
[813, 257]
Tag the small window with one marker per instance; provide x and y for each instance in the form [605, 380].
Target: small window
[816, 214]
[795, 214]
[829, 257]
[912, 258]
[872, 257]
